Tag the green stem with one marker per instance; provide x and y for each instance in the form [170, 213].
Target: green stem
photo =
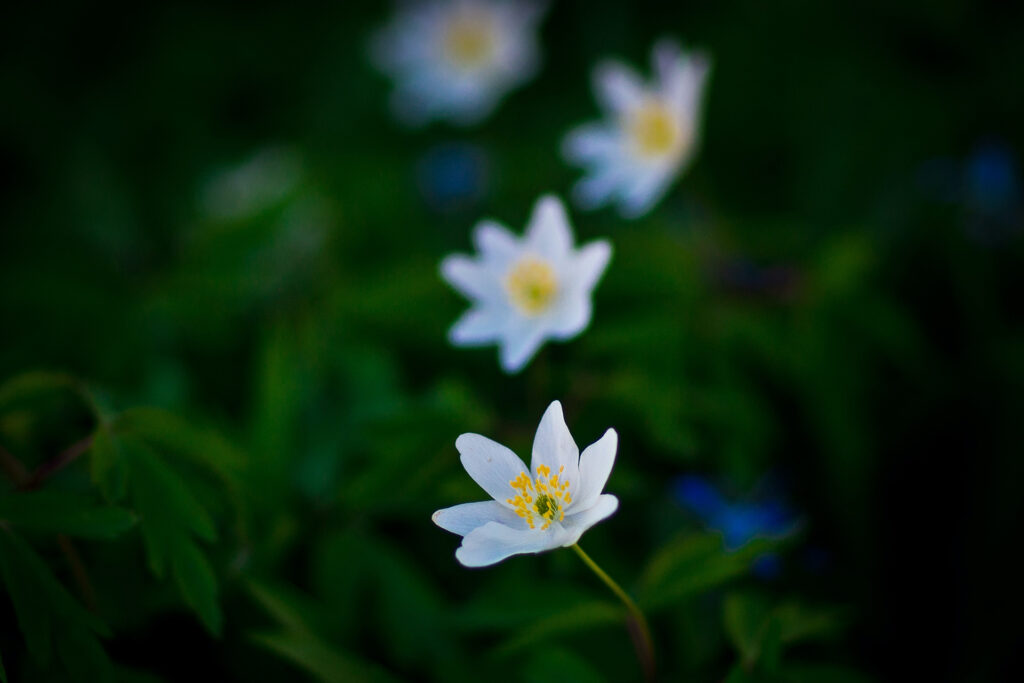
[638, 628]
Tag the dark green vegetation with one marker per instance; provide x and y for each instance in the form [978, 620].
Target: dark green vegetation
[223, 432]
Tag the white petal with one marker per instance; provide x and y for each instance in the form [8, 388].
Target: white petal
[595, 466]
[667, 58]
[520, 345]
[494, 542]
[686, 87]
[644, 192]
[553, 446]
[572, 317]
[491, 465]
[593, 142]
[589, 264]
[618, 87]
[495, 242]
[596, 189]
[548, 232]
[461, 519]
[478, 326]
[471, 278]
[576, 524]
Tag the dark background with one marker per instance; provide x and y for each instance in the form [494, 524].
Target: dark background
[828, 301]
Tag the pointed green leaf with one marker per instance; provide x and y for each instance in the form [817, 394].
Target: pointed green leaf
[53, 512]
[162, 498]
[47, 615]
[280, 606]
[107, 465]
[576, 619]
[198, 585]
[324, 663]
[31, 384]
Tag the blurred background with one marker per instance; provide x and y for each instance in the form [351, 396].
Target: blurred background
[224, 332]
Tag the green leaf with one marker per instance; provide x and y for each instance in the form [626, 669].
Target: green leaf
[176, 438]
[799, 622]
[576, 619]
[33, 384]
[759, 630]
[53, 512]
[107, 466]
[559, 664]
[280, 606]
[171, 516]
[197, 583]
[163, 499]
[691, 565]
[324, 663]
[749, 627]
[48, 616]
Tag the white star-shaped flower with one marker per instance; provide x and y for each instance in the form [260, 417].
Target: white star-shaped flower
[547, 506]
[456, 59]
[525, 290]
[649, 135]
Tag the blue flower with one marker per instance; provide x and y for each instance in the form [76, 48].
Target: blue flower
[738, 522]
[452, 176]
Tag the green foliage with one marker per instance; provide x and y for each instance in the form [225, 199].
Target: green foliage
[692, 565]
[297, 642]
[171, 519]
[55, 626]
[58, 512]
[760, 630]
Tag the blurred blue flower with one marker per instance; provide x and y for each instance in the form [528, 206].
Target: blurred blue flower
[452, 176]
[992, 181]
[987, 186]
[738, 522]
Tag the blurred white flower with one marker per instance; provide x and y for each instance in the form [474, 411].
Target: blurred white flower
[456, 59]
[650, 133]
[547, 506]
[525, 290]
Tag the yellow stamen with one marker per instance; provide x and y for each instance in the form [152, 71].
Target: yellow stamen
[654, 130]
[469, 40]
[531, 285]
[549, 504]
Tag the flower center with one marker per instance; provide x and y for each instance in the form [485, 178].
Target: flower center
[543, 499]
[531, 285]
[468, 41]
[654, 130]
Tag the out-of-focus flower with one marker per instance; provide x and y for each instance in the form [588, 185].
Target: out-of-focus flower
[260, 182]
[650, 133]
[987, 186]
[544, 507]
[738, 522]
[525, 290]
[452, 176]
[456, 59]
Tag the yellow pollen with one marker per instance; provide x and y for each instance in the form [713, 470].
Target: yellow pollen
[531, 285]
[469, 40]
[549, 504]
[654, 130]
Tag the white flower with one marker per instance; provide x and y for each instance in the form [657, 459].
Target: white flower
[525, 290]
[456, 59]
[547, 506]
[649, 136]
